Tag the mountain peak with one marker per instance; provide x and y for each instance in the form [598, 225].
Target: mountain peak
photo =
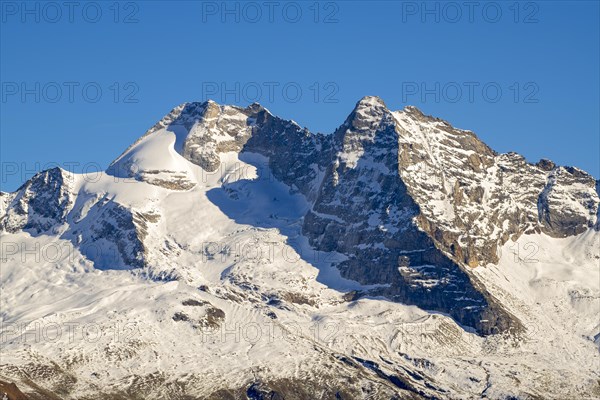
[255, 107]
[367, 115]
[370, 101]
[259, 221]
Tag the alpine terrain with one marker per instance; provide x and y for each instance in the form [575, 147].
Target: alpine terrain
[232, 254]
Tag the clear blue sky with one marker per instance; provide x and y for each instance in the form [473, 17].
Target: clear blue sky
[448, 60]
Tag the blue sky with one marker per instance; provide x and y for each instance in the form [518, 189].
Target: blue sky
[79, 85]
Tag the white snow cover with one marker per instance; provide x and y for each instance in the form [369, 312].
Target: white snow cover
[233, 238]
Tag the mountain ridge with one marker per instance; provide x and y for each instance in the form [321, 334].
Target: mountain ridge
[257, 219]
[396, 190]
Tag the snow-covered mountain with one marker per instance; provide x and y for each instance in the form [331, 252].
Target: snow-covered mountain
[229, 253]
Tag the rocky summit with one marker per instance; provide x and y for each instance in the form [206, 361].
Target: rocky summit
[229, 253]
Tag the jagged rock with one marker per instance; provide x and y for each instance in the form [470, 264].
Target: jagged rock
[412, 202]
[40, 204]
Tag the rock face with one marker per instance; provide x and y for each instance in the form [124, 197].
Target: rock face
[10, 391]
[103, 230]
[470, 199]
[410, 201]
[40, 204]
[473, 199]
[365, 210]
